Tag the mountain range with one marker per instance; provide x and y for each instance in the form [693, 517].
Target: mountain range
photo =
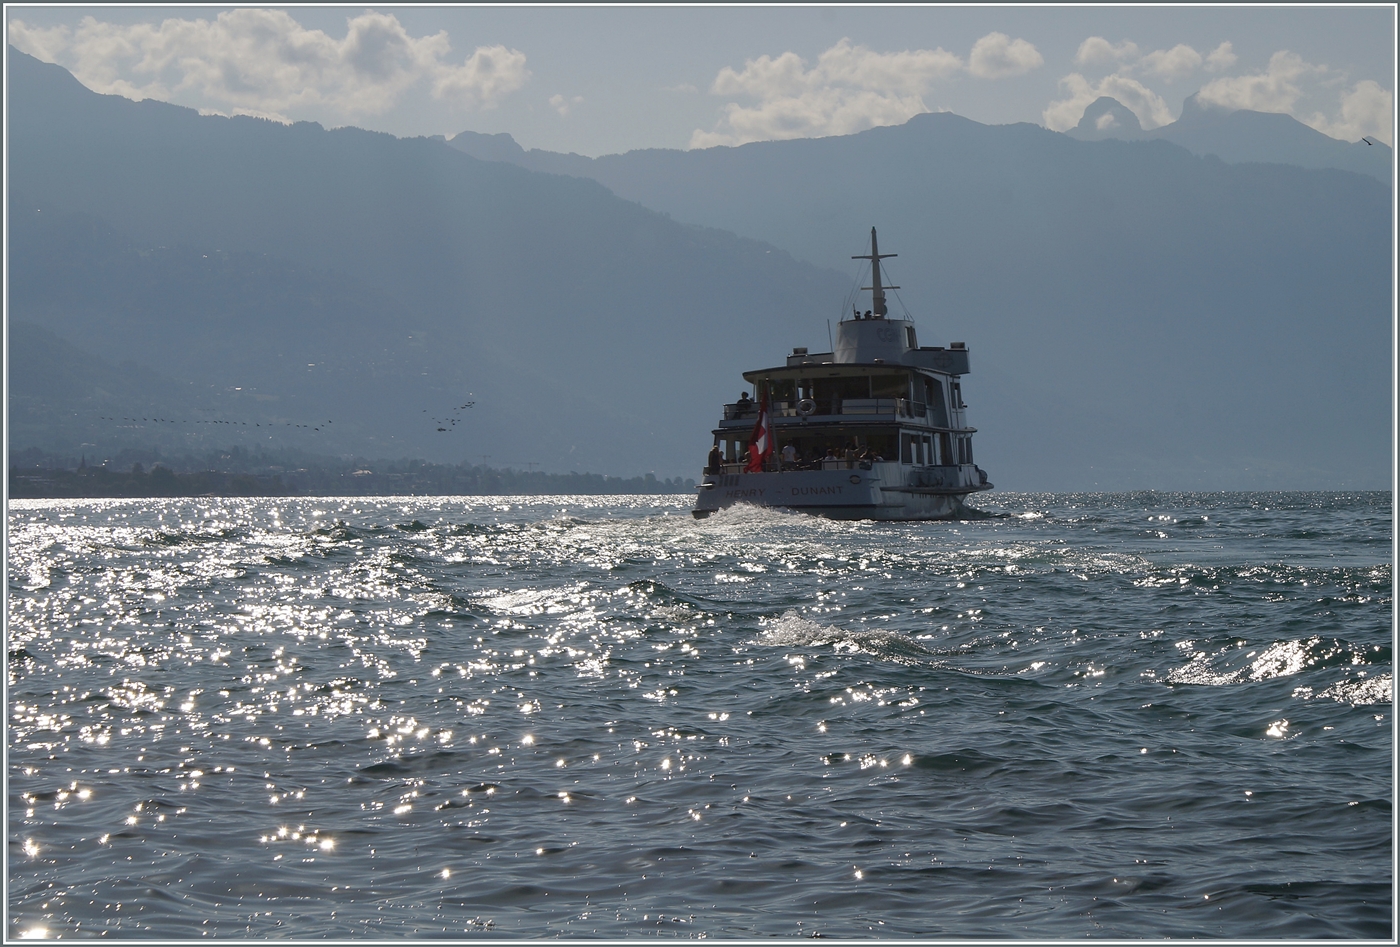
[1239, 135]
[294, 274]
[1139, 316]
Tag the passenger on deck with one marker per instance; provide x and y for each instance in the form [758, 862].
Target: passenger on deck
[789, 456]
[715, 461]
[744, 400]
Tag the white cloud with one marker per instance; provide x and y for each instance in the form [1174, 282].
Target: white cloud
[562, 104]
[264, 62]
[489, 75]
[1221, 58]
[46, 45]
[849, 89]
[1150, 108]
[1179, 61]
[1364, 109]
[1096, 51]
[1286, 85]
[1274, 90]
[857, 67]
[996, 56]
[1124, 58]
[1367, 110]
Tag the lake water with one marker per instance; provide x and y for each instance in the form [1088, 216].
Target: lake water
[1143, 715]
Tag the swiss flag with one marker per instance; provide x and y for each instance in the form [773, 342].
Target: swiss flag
[761, 440]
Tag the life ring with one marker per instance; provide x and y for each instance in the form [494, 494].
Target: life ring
[806, 407]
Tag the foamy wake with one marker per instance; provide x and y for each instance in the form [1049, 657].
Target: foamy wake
[1363, 690]
[1285, 659]
[1281, 659]
[792, 630]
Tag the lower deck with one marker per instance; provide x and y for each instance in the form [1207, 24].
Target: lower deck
[815, 446]
[881, 490]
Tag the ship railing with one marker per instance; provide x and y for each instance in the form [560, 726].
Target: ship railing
[740, 409]
[826, 407]
[901, 407]
[776, 465]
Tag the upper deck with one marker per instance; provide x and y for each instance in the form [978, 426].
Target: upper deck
[802, 364]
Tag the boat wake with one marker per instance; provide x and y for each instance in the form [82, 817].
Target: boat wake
[793, 630]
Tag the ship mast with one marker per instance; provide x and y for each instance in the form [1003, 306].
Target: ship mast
[878, 291]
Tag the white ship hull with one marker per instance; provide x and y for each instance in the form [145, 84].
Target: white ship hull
[885, 491]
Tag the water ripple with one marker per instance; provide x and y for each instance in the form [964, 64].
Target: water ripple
[1139, 716]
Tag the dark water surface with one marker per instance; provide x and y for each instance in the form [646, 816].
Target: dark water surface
[1145, 715]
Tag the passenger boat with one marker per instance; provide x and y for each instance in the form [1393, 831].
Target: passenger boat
[876, 429]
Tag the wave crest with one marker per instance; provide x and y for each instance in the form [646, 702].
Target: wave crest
[793, 630]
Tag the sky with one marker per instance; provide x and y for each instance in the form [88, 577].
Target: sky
[607, 79]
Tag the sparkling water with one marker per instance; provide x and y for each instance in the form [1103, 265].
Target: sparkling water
[1135, 715]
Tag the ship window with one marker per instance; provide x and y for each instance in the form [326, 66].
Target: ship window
[945, 447]
[909, 331]
[906, 449]
[889, 386]
[782, 390]
[828, 393]
[933, 397]
[884, 443]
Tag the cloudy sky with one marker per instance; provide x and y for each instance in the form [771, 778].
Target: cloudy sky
[599, 80]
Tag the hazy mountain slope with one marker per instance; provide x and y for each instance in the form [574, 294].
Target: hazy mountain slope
[592, 333]
[1239, 136]
[59, 394]
[1139, 316]
[260, 344]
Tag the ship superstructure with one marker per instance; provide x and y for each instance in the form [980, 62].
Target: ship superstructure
[875, 429]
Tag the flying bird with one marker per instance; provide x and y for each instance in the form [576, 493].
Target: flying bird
[444, 425]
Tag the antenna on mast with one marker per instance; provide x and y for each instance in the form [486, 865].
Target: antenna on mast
[878, 291]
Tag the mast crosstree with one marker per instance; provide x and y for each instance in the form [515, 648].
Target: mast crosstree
[877, 291]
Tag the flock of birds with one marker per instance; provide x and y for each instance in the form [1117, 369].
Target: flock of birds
[269, 424]
[448, 423]
[443, 424]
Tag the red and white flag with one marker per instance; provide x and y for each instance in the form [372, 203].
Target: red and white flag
[761, 440]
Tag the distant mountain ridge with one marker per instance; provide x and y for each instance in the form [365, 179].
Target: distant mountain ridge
[389, 279]
[1139, 316]
[1238, 136]
[1234, 136]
